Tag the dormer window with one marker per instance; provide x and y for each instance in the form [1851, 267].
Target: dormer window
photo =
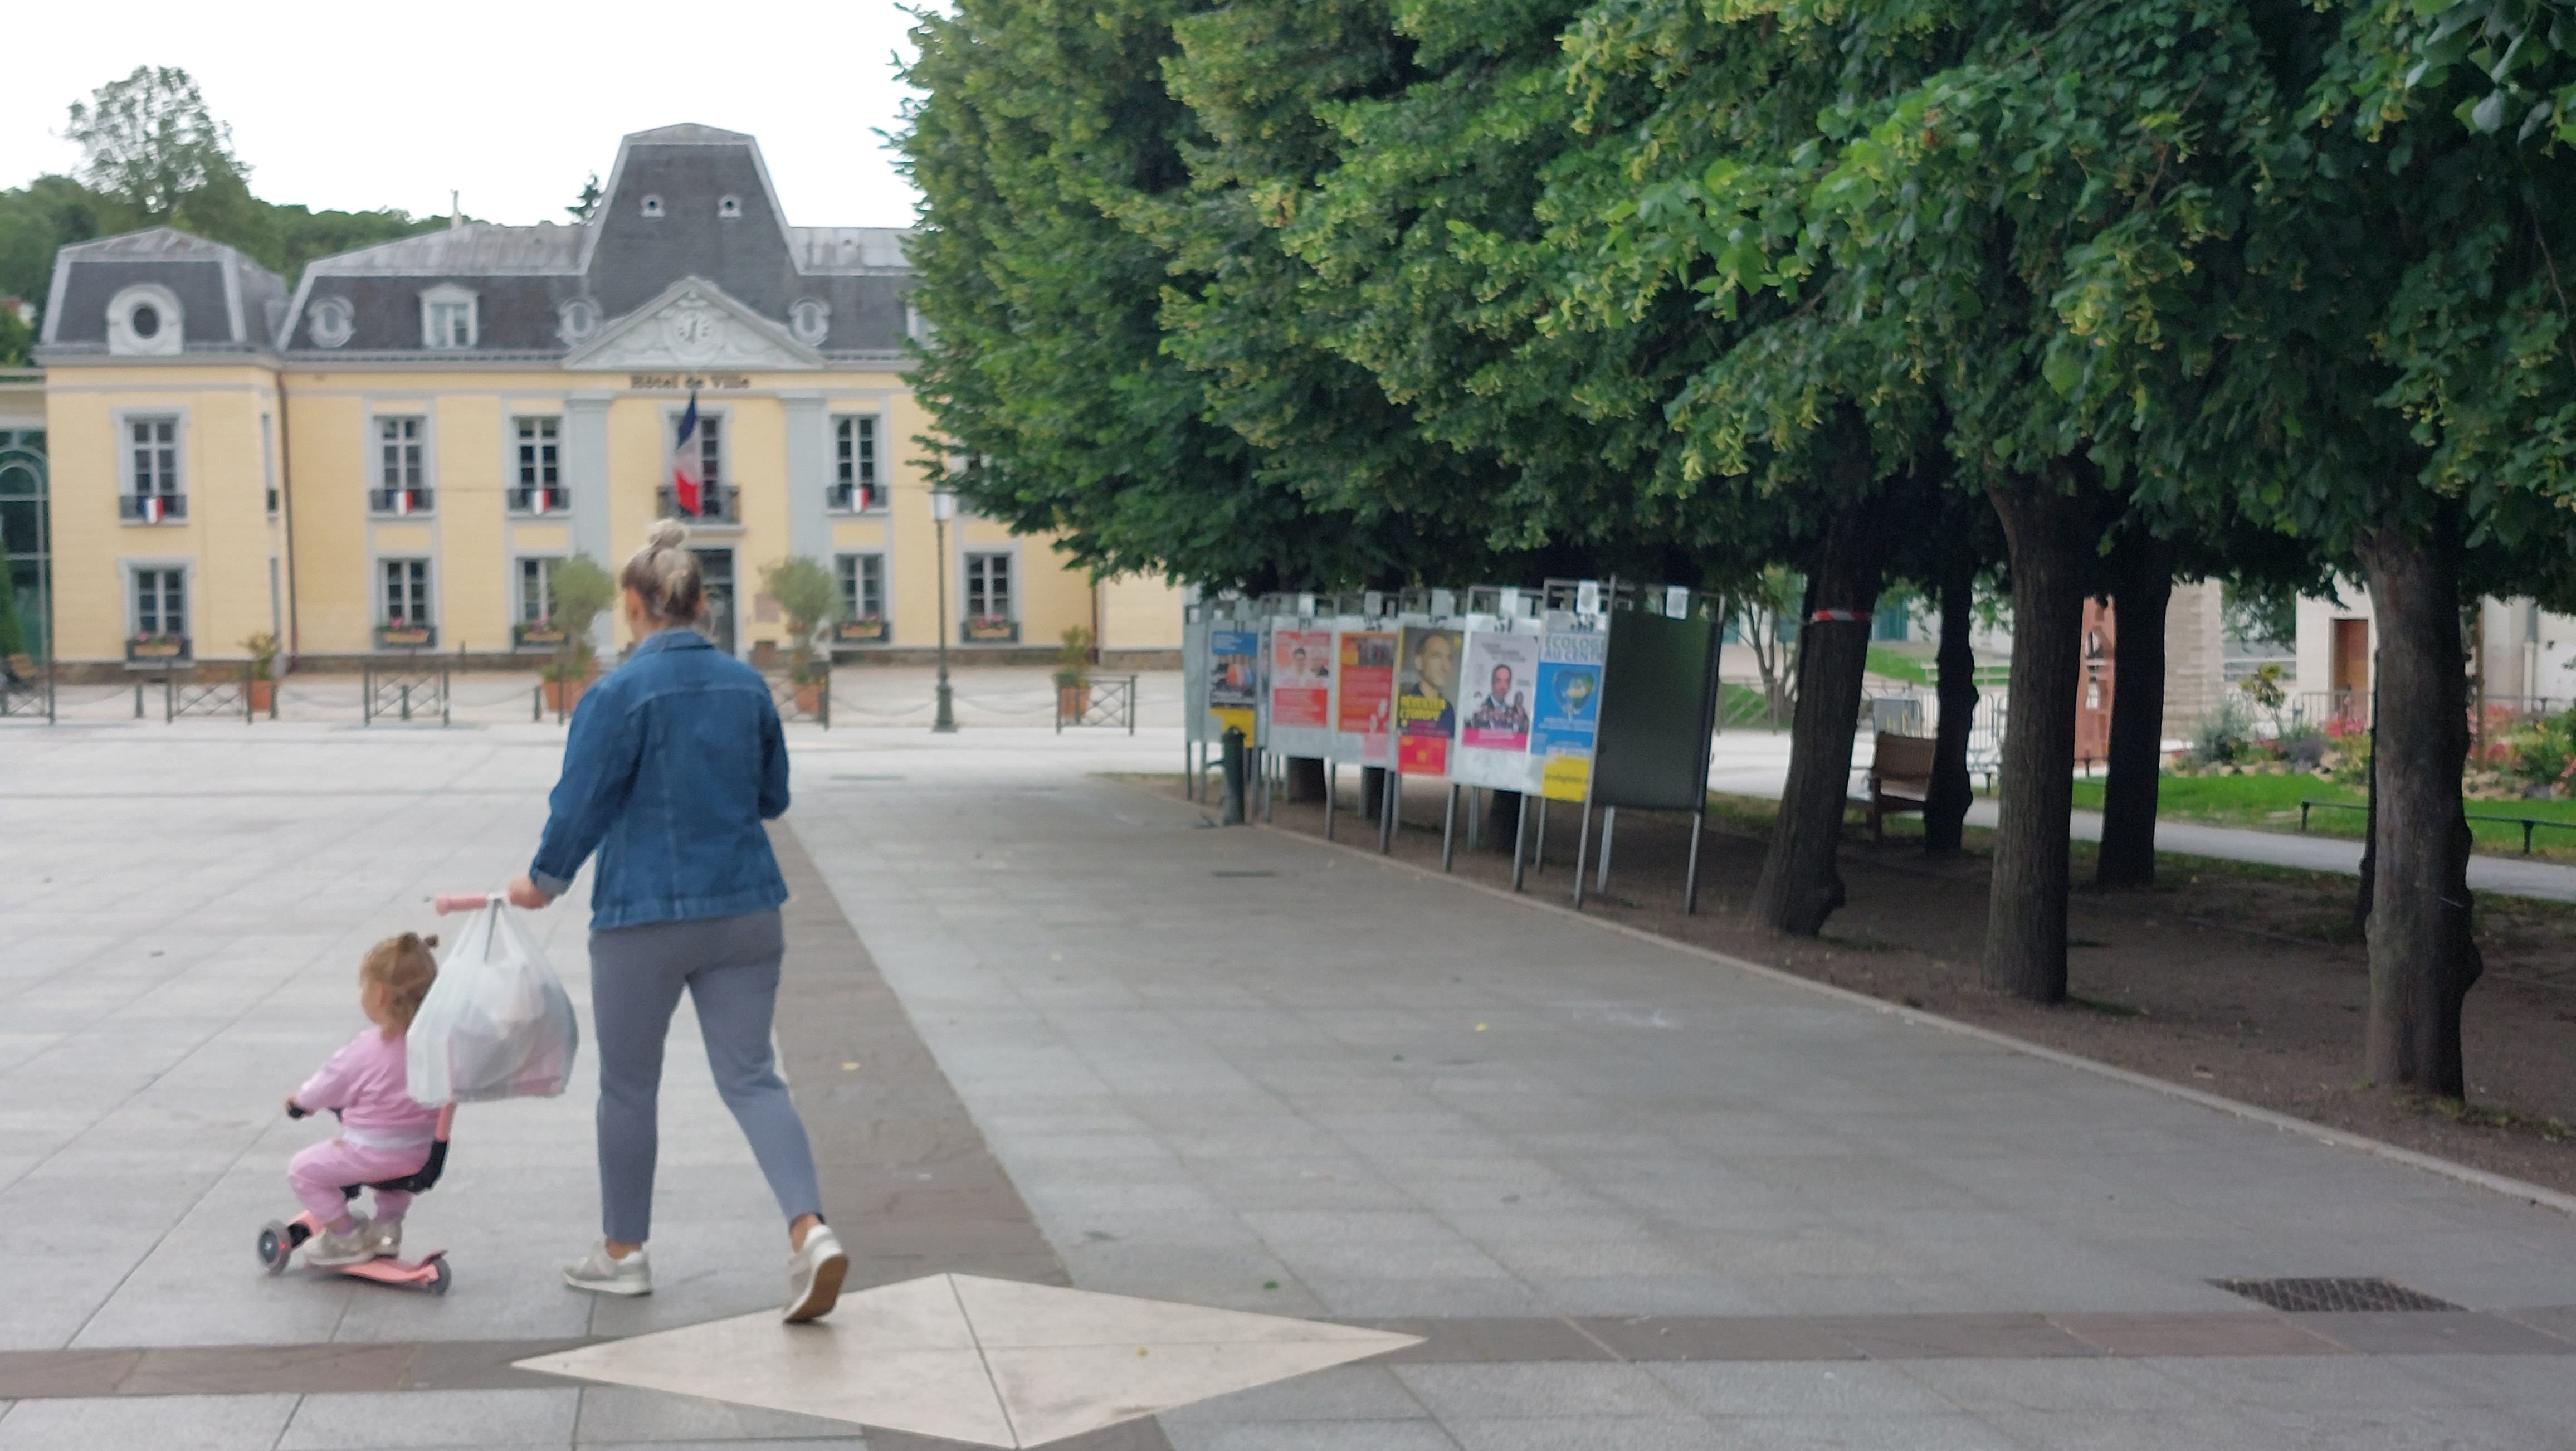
[730, 208]
[578, 319]
[331, 323]
[652, 205]
[447, 319]
[809, 319]
[145, 320]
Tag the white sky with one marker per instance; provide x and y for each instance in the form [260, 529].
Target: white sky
[358, 106]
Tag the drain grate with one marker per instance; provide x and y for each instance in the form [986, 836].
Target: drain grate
[2333, 1295]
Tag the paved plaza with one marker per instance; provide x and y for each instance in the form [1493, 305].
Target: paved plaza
[1054, 1028]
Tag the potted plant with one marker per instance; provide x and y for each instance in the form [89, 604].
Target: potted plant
[868, 631]
[811, 600]
[992, 629]
[399, 634]
[263, 670]
[582, 593]
[161, 648]
[1073, 673]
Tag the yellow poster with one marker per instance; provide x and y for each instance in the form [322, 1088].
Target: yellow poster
[1565, 778]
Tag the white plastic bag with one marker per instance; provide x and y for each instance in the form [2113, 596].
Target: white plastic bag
[496, 1024]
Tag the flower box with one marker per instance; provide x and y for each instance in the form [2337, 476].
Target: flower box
[870, 631]
[157, 648]
[406, 637]
[539, 636]
[987, 630]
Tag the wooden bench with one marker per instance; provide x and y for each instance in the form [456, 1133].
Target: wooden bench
[1900, 778]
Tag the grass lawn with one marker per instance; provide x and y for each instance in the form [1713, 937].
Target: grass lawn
[2271, 803]
[1883, 661]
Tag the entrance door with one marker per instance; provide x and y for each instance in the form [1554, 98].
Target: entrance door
[26, 555]
[716, 622]
[2349, 671]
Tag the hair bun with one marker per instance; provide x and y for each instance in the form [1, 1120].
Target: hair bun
[666, 534]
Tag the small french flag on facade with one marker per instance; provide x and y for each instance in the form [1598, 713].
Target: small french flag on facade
[688, 473]
[152, 508]
[402, 501]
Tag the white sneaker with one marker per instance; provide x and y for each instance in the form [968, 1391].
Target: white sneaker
[383, 1237]
[346, 1247]
[600, 1275]
[814, 1276]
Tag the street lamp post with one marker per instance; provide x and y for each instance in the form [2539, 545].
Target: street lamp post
[943, 507]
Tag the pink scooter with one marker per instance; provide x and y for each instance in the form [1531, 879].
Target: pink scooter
[278, 1242]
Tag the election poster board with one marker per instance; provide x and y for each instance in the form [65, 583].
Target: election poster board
[1364, 711]
[1234, 677]
[1426, 698]
[1658, 710]
[1497, 696]
[1566, 720]
[1301, 690]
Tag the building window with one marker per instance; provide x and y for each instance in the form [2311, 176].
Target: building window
[145, 320]
[652, 205]
[715, 501]
[862, 591]
[988, 587]
[447, 318]
[406, 599]
[854, 463]
[809, 319]
[268, 461]
[730, 208]
[152, 491]
[401, 487]
[577, 319]
[536, 591]
[160, 604]
[331, 323]
[539, 486]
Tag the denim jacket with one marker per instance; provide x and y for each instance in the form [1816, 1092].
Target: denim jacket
[674, 760]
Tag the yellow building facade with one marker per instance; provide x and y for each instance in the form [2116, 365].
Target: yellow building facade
[392, 455]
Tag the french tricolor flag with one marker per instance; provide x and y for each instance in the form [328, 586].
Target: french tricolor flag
[688, 471]
[151, 508]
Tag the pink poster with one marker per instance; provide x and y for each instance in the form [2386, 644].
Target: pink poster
[1301, 679]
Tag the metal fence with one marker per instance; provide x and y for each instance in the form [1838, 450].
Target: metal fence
[28, 691]
[1108, 700]
[410, 694]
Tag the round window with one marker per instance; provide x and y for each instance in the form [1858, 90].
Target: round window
[145, 320]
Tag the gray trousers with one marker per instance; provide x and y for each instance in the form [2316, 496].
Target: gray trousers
[729, 965]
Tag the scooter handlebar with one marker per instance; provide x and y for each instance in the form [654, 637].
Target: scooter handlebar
[446, 902]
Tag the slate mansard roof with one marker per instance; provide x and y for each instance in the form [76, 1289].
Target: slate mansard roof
[714, 218]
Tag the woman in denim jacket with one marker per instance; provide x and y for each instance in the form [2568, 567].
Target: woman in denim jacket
[675, 760]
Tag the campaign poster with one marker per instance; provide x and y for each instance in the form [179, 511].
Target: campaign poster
[1566, 718]
[1497, 698]
[1234, 677]
[1301, 679]
[1367, 707]
[1426, 699]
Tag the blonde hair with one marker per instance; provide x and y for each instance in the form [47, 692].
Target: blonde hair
[664, 574]
[402, 967]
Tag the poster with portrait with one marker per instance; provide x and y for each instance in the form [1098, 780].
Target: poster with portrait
[1497, 695]
[1566, 717]
[1426, 698]
[1234, 677]
[1301, 690]
[1364, 711]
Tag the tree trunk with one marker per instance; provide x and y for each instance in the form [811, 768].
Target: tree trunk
[1502, 821]
[2051, 538]
[2369, 822]
[1945, 807]
[1372, 791]
[1305, 778]
[2140, 595]
[2423, 960]
[1800, 886]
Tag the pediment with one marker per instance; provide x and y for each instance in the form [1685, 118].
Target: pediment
[693, 325]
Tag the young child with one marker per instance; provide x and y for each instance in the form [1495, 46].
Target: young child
[383, 1134]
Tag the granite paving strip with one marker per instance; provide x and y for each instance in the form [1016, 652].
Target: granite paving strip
[1477, 1340]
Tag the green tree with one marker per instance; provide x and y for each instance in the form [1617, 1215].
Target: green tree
[586, 205]
[149, 142]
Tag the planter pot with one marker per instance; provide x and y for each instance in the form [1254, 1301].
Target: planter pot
[263, 696]
[563, 695]
[809, 697]
[1071, 701]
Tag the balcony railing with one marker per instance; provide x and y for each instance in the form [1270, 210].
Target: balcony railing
[152, 508]
[401, 501]
[715, 502]
[854, 498]
[540, 499]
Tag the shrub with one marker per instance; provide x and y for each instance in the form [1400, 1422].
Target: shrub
[2225, 736]
[2542, 755]
[811, 599]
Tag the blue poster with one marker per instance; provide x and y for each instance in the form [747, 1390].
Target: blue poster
[1567, 711]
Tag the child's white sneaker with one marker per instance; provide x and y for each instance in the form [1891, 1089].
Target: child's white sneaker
[814, 1275]
[600, 1275]
[343, 1247]
[383, 1237]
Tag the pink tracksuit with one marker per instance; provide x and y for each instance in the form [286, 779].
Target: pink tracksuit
[383, 1134]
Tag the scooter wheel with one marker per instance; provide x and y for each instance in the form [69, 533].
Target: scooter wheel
[445, 1276]
[274, 1248]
